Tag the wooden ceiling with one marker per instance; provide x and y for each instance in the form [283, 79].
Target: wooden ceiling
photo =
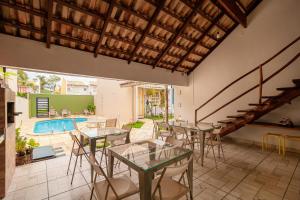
[173, 34]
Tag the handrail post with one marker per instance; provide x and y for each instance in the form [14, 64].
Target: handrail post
[196, 117]
[260, 84]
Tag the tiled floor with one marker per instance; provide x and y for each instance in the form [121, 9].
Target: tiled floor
[247, 173]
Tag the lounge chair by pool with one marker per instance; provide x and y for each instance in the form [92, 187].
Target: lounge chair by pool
[65, 113]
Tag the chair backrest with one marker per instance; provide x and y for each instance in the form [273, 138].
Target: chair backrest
[163, 126]
[111, 123]
[172, 140]
[177, 131]
[117, 139]
[127, 127]
[100, 172]
[177, 170]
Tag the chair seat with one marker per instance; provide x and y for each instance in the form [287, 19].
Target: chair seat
[123, 185]
[81, 152]
[170, 189]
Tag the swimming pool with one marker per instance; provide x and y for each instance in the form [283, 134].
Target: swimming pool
[56, 125]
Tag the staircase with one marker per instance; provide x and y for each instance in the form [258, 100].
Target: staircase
[265, 103]
[272, 102]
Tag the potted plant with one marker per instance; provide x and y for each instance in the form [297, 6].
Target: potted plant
[21, 143]
[91, 108]
[31, 144]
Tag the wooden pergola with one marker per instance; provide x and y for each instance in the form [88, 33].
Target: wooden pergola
[173, 34]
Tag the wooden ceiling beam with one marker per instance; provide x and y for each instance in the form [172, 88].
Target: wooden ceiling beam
[234, 11]
[108, 16]
[198, 41]
[177, 34]
[146, 30]
[49, 22]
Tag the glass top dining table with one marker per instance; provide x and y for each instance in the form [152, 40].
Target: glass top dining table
[147, 157]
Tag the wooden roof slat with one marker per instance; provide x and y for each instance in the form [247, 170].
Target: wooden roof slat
[49, 22]
[21, 7]
[108, 14]
[146, 30]
[199, 40]
[80, 9]
[175, 36]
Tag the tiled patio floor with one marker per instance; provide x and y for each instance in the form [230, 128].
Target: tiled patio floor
[247, 173]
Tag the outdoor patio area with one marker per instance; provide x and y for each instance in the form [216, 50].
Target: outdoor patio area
[247, 173]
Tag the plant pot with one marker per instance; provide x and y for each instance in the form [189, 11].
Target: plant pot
[22, 159]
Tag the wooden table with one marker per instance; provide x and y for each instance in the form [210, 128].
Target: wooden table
[147, 157]
[94, 134]
[200, 128]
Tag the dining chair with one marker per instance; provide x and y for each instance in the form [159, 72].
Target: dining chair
[166, 187]
[180, 133]
[115, 140]
[110, 188]
[212, 141]
[111, 123]
[77, 151]
[163, 130]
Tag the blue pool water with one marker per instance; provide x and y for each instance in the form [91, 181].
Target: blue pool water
[56, 125]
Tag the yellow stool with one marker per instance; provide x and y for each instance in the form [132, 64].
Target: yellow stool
[266, 146]
[289, 137]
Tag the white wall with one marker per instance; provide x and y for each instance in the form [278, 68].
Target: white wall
[272, 25]
[29, 54]
[113, 101]
[22, 105]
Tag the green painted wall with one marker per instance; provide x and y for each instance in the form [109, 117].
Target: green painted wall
[74, 103]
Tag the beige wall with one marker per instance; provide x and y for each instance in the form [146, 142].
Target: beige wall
[113, 101]
[22, 105]
[272, 25]
[31, 54]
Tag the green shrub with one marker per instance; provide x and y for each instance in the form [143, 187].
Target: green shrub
[91, 108]
[137, 124]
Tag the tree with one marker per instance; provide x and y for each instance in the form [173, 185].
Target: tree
[52, 81]
[43, 81]
[22, 78]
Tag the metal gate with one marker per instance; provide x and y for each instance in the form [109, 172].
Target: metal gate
[42, 107]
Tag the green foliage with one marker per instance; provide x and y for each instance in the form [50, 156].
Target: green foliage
[43, 81]
[52, 81]
[32, 143]
[159, 117]
[20, 142]
[6, 75]
[20, 94]
[137, 124]
[22, 78]
[91, 108]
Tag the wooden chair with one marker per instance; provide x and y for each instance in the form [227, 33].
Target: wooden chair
[181, 134]
[110, 188]
[78, 151]
[265, 141]
[165, 187]
[163, 130]
[286, 138]
[212, 141]
[111, 123]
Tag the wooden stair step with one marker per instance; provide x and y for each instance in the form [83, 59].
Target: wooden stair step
[226, 121]
[256, 104]
[236, 116]
[287, 88]
[296, 82]
[247, 110]
[269, 97]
